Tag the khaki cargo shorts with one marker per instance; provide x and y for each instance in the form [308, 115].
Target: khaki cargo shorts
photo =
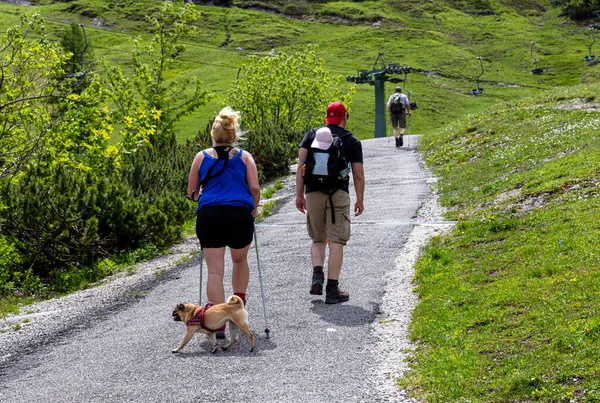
[319, 221]
[401, 118]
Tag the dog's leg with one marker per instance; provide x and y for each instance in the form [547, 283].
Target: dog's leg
[233, 332]
[188, 336]
[213, 342]
[246, 329]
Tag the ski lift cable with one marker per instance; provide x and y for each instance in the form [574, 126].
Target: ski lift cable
[183, 59]
[535, 61]
[340, 69]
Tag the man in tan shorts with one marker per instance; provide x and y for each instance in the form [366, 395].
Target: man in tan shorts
[326, 157]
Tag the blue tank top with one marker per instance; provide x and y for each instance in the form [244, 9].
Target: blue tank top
[229, 188]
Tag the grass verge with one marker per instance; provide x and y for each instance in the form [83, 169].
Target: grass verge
[509, 300]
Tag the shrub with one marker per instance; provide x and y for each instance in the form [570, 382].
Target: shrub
[9, 260]
[577, 9]
[62, 221]
[295, 9]
[273, 148]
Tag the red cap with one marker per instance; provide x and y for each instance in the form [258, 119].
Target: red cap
[335, 113]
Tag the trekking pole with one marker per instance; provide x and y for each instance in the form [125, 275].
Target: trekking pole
[200, 289]
[388, 133]
[409, 142]
[262, 290]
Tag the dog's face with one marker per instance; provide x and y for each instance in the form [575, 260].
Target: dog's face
[178, 311]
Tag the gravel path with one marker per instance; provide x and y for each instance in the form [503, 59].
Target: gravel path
[44, 324]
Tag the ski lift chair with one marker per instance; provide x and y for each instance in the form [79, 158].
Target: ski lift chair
[536, 70]
[591, 57]
[478, 90]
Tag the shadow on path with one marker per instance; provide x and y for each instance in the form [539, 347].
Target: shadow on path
[344, 314]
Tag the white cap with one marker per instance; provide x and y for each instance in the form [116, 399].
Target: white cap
[323, 139]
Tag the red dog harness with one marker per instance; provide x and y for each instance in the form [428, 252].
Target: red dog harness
[199, 320]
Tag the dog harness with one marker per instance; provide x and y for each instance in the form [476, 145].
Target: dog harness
[199, 319]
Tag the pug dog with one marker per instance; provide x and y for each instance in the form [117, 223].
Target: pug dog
[211, 318]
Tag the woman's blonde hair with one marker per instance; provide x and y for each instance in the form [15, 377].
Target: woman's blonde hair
[225, 127]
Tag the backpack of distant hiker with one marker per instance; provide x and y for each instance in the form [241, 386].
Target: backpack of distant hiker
[327, 169]
[396, 106]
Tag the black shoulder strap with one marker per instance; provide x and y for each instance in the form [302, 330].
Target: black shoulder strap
[222, 154]
[345, 133]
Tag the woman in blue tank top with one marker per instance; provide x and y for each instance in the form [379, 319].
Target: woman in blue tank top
[227, 180]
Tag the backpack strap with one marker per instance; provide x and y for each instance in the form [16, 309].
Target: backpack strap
[222, 154]
[330, 194]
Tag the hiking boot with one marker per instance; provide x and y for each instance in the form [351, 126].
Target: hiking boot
[400, 141]
[333, 297]
[317, 284]
[397, 142]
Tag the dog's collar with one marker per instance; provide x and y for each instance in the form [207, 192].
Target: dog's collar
[199, 320]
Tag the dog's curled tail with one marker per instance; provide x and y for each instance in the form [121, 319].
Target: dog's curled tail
[234, 299]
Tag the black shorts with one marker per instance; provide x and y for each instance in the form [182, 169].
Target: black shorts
[220, 226]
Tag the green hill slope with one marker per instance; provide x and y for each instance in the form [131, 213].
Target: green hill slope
[510, 299]
[437, 38]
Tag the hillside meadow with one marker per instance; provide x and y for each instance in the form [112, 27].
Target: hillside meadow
[439, 42]
[509, 299]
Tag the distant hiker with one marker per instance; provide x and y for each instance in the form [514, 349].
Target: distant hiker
[225, 180]
[398, 106]
[326, 157]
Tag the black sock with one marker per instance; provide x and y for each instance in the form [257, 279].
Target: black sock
[318, 273]
[332, 285]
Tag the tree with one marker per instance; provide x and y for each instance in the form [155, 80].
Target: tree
[31, 83]
[147, 102]
[578, 9]
[287, 91]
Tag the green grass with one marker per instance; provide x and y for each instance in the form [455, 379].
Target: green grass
[510, 299]
[13, 305]
[271, 190]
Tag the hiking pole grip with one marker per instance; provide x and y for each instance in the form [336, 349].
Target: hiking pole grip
[262, 290]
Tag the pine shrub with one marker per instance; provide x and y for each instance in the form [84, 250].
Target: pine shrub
[273, 148]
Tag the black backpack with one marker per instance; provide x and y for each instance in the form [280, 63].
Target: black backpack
[327, 169]
[397, 106]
